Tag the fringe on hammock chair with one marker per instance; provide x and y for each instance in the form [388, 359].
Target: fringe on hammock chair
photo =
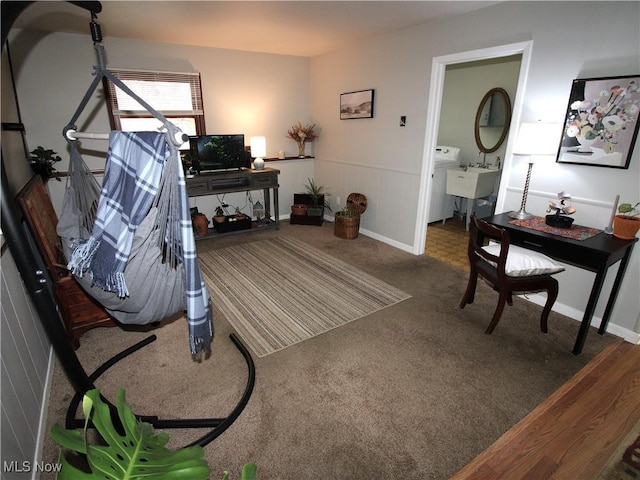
[130, 242]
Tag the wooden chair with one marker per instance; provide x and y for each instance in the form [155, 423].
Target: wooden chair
[495, 270]
[80, 312]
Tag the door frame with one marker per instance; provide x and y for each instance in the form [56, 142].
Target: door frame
[438, 70]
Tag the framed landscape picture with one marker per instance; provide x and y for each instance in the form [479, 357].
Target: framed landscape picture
[601, 124]
[356, 105]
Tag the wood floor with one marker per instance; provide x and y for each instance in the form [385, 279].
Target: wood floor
[573, 433]
[448, 243]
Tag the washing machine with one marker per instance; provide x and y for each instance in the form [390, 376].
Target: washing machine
[442, 205]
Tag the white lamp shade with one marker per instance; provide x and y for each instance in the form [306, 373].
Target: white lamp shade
[258, 147]
[538, 139]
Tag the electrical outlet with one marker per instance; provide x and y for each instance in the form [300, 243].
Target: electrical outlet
[338, 201]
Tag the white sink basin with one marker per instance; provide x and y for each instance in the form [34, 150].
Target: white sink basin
[475, 182]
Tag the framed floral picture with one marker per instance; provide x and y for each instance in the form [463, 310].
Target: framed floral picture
[356, 105]
[601, 125]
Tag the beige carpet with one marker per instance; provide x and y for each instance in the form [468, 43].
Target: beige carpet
[279, 292]
[413, 391]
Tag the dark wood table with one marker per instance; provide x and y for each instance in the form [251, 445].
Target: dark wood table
[595, 254]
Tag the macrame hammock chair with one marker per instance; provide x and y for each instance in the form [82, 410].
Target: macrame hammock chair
[130, 243]
[144, 190]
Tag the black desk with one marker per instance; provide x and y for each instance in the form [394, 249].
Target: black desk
[595, 254]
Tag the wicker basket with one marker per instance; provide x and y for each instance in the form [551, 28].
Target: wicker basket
[346, 227]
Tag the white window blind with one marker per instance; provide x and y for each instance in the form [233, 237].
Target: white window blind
[178, 96]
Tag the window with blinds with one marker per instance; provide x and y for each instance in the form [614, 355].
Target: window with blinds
[178, 96]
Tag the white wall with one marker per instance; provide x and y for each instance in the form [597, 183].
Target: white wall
[383, 161]
[243, 92]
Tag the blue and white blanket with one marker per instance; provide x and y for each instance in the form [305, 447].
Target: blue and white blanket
[132, 181]
[135, 162]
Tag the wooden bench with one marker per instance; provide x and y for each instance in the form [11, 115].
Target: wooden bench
[79, 311]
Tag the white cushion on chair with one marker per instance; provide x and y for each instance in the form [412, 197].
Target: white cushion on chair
[522, 262]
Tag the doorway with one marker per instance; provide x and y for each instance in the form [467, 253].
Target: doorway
[480, 144]
[438, 72]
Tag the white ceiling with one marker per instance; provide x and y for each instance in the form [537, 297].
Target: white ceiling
[302, 28]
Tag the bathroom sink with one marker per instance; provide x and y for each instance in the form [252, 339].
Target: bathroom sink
[474, 182]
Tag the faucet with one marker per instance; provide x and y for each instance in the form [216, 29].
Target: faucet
[482, 164]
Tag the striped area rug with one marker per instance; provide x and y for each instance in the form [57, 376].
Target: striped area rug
[279, 292]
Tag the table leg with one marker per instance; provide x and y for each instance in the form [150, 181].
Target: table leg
[467, 213]
[276, 207]
[267, 200]
[614, 290]
[588, 313]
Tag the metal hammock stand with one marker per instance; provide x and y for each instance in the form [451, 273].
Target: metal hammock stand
[36, 282]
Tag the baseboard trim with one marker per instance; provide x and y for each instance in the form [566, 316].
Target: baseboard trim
[575, 314]
[402, 246]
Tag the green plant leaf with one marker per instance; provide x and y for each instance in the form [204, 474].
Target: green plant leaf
[249, 471]
[628, 210]
[135, 453]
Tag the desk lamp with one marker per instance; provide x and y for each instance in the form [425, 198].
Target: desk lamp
[534, 139]
[258, 150]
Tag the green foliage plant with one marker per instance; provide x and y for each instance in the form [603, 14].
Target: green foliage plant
[316, 192]
[138, 453]
[348, 211]
[42, 161]
[248, 472]
[627, 210]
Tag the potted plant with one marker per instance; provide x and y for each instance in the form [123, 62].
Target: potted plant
[308, 208]
[347, 221]
[239, 215]
[127, 449]
[42, 161]
[219, 217]
[318, 196]
[627, 223]
[231, 223]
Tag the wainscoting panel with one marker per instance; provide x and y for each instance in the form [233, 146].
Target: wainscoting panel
[25, 358]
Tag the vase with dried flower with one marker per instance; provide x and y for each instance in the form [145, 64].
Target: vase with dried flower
[302, 134]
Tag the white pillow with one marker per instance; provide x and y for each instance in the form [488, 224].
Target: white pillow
[522, 262]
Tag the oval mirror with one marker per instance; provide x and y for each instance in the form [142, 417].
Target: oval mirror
[492, 120]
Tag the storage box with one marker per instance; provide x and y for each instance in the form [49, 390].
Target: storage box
[305, 199]
[305, 220]
[232, 223]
